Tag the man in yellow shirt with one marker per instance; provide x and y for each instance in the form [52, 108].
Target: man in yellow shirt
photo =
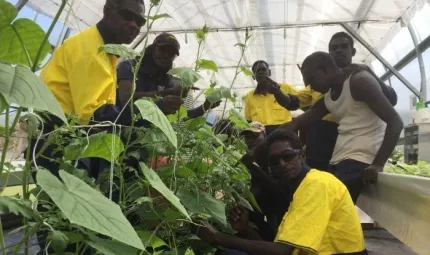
[321, 218]
[322, 134]
[82, 78]
[269, 103]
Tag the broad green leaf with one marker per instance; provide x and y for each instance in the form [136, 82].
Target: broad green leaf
[187, 75]
[238, 119]
[158, 184]
[58, 240]
[87, 207]
[74, 237]
[8, 13]
[17, 207]
[153, 114]
[207, 64]
[101, 145]
[251, 198]
[243, 201]
[203, 203]
[246, 71]
[158, 16]
[111, 247]
[22, 33]
[20, 86]
[119, 50]
[219, 94]
[151, 240]
[196, 123]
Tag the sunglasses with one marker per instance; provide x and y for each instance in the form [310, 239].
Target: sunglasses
[286, 156]
[128, 15]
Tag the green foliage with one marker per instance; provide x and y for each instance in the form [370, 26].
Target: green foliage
[204, 204]
[100, 145]
[3, 104]
[84, 206]
[58, 240]
[196, 123]
[422, 168]
[151, 240]
[20, 86]
[150, 112]
[119, 50]
[158, 16]
[158, 184]
[246, 71]
[110, 247]
[20, 39]
[238, 119]
[217, 94]
[187, 75]
[17, 207]
[201, 33]
[207, 64]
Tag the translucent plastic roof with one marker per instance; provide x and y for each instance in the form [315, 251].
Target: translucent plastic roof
[283, 32]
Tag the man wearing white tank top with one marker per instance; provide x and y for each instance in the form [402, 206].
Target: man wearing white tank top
[369, 127]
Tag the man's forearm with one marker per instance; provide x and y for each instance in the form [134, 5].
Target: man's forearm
[253, 247]
[316, 112]
[250, 234]
[392, 133]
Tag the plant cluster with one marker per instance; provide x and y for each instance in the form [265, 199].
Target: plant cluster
[183, 171]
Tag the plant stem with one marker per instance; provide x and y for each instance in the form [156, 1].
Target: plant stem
[3, 245]
[48, 33]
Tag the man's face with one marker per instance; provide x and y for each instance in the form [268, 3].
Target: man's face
[262, 70]
[253, 139]
[341, 51]
[164, 55]
[317, 78]
[126, 20]
[284, 161]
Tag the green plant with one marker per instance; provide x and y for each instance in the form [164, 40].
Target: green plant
[126, 209]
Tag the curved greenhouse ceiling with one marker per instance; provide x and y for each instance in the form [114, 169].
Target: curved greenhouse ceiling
[283, 32]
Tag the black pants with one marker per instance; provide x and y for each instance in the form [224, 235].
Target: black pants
[322, 136]
[351, 173]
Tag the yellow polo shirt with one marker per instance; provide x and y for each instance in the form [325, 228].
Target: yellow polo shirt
[265, 109]
[309, 97]
[81, 78]
[322, 218]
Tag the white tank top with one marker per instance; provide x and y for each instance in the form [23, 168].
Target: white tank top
[361, 131]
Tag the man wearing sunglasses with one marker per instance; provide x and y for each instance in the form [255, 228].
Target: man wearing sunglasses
[321, 218]
[153, 80]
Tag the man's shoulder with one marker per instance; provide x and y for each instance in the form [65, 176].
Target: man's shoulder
[321, 180]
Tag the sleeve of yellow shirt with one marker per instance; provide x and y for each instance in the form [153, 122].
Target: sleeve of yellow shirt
[305, 97]
[306, 221]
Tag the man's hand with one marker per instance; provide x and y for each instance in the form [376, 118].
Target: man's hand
[272, 86]
[371, 174]
[207, 232]
[239, 218]
[171, 104]
[176, 90]
[208, 105]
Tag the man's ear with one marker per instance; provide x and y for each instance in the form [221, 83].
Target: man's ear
[354, 51]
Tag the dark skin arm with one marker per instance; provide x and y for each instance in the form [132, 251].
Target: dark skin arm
[365, 88]
[125, 90]
[209, 234]
[274, 88]
[199, 111]
[239, 221]
[316, 112]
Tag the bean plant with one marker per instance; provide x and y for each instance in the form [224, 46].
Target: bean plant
[135, 204]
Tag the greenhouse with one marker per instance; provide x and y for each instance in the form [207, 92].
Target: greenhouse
[214, 127]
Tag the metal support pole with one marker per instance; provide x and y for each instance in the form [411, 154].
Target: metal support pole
[423, 89]
[381, 59]
[20, 4]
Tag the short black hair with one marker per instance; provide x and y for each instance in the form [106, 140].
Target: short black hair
[114, 3]
[257, 63]
[285, 135]
[319, 58]
[343, 35]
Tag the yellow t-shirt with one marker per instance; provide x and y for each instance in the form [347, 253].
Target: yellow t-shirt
[265, 109]
[81, 78]
[322, 218]
[309, 97]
